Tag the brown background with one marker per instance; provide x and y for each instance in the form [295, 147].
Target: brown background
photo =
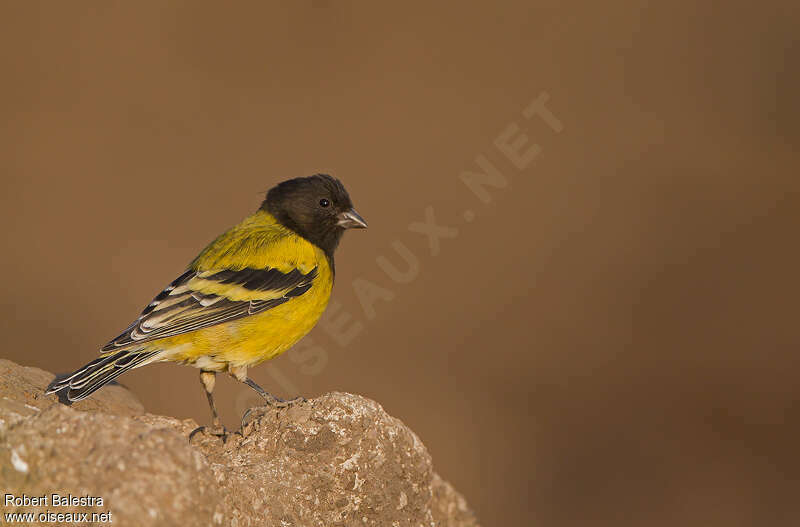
[612, 340]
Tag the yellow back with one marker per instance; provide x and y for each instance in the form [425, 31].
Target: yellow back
[258, 242]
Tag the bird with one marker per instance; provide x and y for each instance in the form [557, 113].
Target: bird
[249, 296]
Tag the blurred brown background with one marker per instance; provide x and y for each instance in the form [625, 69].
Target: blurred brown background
[611, 341]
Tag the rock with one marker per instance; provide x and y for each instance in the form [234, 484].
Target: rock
[25, 386]
[338, 460]
[449, 507]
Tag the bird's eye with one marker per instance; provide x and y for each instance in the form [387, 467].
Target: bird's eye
[324, 202]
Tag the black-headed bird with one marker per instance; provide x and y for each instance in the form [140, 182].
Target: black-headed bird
[246, 298]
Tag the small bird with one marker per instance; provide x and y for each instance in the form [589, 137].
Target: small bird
[247, 297]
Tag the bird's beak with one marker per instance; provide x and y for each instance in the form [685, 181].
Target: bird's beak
[350, 219]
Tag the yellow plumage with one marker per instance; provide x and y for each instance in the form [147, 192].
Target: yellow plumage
[258, 242]
[247, 297]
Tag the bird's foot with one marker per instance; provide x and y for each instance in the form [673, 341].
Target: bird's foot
[272, 402]
[277, 402]
[217, 431]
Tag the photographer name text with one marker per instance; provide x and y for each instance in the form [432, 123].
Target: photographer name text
[52, 500]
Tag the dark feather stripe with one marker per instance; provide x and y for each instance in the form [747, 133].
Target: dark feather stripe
[99, 372]
[257, 306]
[231, 311]
[97, 380]
[262, 279]
[163, 295]
[178, 309]
[297, 291]
[87, 369]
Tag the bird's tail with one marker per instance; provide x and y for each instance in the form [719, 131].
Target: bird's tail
[86, 380]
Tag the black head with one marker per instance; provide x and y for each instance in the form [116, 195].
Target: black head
[317, 208]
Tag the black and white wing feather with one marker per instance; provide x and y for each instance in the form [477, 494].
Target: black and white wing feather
[200, 299]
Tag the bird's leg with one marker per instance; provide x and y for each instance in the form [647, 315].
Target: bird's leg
[271, 399]
[240, 374]
[208, 380]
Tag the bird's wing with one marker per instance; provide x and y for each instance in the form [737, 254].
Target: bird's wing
[199, 299]
[254, 266]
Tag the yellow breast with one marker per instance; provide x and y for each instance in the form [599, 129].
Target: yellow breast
[253, 339]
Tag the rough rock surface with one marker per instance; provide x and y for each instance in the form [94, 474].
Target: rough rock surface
[338, 460]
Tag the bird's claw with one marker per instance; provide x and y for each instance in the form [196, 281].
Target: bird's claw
[214, 431]
[277, 402]
[270, 402]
